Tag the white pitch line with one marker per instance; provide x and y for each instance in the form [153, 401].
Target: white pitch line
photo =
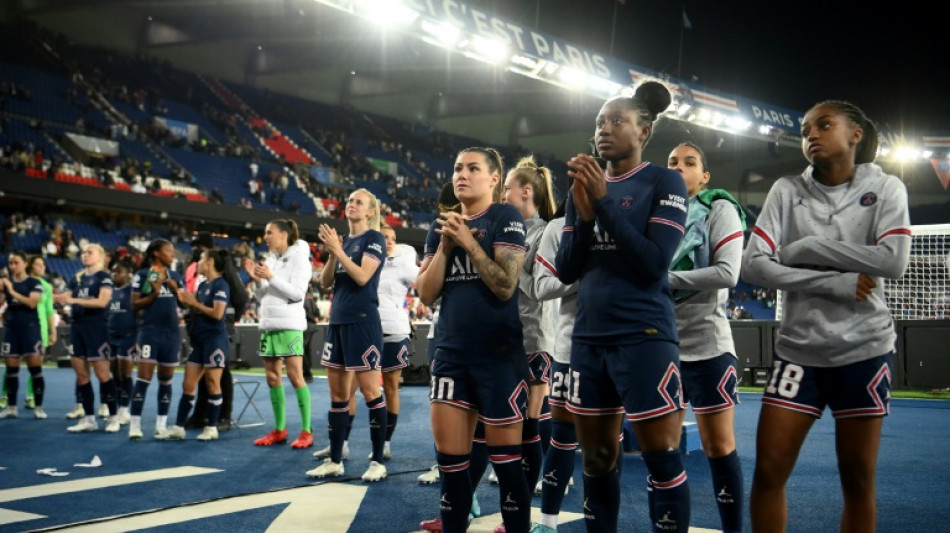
[65, 487]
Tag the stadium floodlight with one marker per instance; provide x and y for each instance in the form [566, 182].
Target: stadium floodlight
[738, 123]
[765, 130]
[490, 50]
[906, 153]
[603, 85]
[683, 109]
[927, 154]
[572, 78]
[526, 62]
[441, 34]
[387, 13]
[704, 115]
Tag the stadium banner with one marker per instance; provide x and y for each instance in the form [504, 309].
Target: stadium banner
[182, 130]
[94, 146]
[385, 166]
[526, 41]
[321, 174]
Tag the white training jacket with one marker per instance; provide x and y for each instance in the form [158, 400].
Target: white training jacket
[812, 241]
[281, 297]
[399, 271]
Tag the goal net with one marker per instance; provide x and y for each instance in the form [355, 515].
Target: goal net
[923, 292]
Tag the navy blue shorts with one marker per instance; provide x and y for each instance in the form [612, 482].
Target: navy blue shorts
[539, 368]
[162, 348]
[22, 340]
[858, 389]
[90, 342]
[395, 355]
[210, 351]
[711, 385]
[355, 346]
[123, 349]
[641, 379]
[561, 381]
[498, 391]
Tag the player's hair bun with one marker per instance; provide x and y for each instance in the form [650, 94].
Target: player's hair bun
[654, 96]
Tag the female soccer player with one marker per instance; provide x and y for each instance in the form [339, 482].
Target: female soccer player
[621, 228]
[154, 295]
[280, 284]
[122, 332]
[21, 333]
[558, 468]
[704, 268]
[528, 189]
[479, 366]
[210, 343]
[355, 336]
[89, 297]
[826, 238]
[399, 272]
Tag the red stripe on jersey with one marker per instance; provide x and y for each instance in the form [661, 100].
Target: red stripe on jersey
[764, 236]
[658, 220]
[898, 231]
[627, 174]
[545, 264]
[509, 245]
[734, 236]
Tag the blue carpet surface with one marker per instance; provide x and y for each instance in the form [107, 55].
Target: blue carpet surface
[231, 485]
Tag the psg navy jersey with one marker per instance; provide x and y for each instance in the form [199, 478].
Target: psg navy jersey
[121, 315]
[162, 314]
[19, 314]
[209, 293]
[351, 302]
[622, 258]
[474, 325]
[87, 287]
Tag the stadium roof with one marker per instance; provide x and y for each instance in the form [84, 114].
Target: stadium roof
[311, 50]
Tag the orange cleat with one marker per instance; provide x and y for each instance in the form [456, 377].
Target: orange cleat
[272, 438]
[305, 440]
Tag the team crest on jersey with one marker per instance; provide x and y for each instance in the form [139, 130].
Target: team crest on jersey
[480, 234]
[868, 199]
[626, 202]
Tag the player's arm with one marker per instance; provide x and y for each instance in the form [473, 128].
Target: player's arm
[761, 265]
[30, 300]
[432, 276]
[725, 236]
[502, 273]
[547, 286]
[887, 257]
[648, 254]
[575, 243]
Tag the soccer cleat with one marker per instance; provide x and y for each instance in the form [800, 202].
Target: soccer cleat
[272, 438]
[209, 433]
[541, 528]
[103, 411]
[30, 403]
[123, 416]
[172, 433]
[3, 401]
[77, 412]
[375, 472]
[39, 413]
[159, 429]
[86, 425]
[431, 525]
[325, 452]
[305, 440]
[327, 469]
[387, 453]
[135, 430]
[500, 528]
[476, 510]
[492, 478]
[9, 412]
[112, 425]
[430, 477]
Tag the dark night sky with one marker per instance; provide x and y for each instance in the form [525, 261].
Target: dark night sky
[890, 62]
